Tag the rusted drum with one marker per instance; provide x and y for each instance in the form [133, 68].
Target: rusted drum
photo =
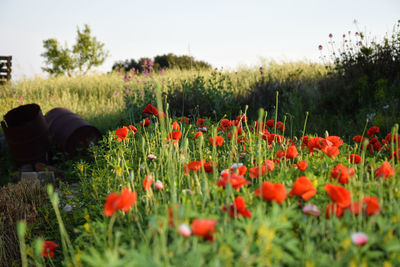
[71, 132]
[27, 134]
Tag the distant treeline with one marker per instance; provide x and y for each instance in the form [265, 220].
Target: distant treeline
[168, 61]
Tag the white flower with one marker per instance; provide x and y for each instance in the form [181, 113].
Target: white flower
[184, 230]
[236, 165]
[311, 209]
[67, 208]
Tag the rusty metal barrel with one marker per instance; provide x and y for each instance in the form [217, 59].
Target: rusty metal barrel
[69, 131]
[27, 134]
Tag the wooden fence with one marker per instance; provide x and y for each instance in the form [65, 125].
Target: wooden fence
[5, 69]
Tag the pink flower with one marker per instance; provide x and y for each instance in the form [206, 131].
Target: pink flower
[359, 238]
[151, 156]
[159, 185]
[320, 47]
[184, 230]
[312, 210]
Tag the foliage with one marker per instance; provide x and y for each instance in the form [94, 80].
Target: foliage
[161, 62]
[58, 58]
[88, 52]
[364, 80]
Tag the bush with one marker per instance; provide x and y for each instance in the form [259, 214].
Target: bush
[166, 61]
[364, 81]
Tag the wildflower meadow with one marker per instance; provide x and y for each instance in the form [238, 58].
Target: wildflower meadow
[178, 191]
[256, 167]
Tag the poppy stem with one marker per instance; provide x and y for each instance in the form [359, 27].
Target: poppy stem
[110, 226]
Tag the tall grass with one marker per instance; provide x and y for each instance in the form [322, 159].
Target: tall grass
[100, 98]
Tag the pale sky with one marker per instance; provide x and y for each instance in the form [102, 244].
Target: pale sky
[224, 33]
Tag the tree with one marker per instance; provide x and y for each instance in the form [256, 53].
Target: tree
[58, 59]
[88, 52]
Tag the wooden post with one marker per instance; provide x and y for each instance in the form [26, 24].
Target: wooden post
[5, 69]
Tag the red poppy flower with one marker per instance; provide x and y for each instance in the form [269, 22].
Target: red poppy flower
[185, 120]
[269, 164]
[384, 170]
[145, 122]
[389, 138]
[358, 139]
[315, 143]
[175, 126]
[304, 139]
[280, 126]
[238, 169]
[48, 249]
[175, 136]
[208, 167]
[197, 135]
[204, 228]
[151, 110]
[333, 209]
[280, 154]
[238, 208]
[372, 205]
[235, 180]
[274, 138]
[372, 131]
[303, 187]
[132, 128]
[122, 133]
[374, 144]
[335, 140]
[225, 124]
[272, 192]
[147, 182]
[256, 171]
[302, 165]
[331, 151]
[200, 122]
[127, 199]
[216, 141]
[291, 152]
[354, 158]
[339, 195]
[342, 173]
[123, 201]
[241, 118]
[270, 123]
[194, 166]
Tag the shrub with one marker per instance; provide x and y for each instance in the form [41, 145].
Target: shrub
[365, 79]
